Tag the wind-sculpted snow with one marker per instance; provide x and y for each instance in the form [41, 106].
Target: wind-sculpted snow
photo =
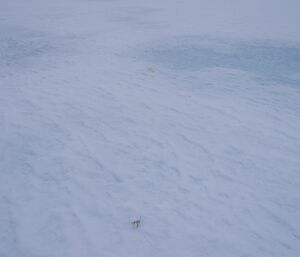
[119, 111]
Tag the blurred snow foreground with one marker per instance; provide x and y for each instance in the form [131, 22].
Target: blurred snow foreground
[181, 116]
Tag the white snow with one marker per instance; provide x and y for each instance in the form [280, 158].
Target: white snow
[183, 113]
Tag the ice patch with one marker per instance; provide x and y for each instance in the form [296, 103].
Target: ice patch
[274, 63]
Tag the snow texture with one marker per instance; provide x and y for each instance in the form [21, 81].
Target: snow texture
[185, 114]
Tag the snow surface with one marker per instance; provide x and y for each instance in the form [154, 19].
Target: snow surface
[183, 113]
